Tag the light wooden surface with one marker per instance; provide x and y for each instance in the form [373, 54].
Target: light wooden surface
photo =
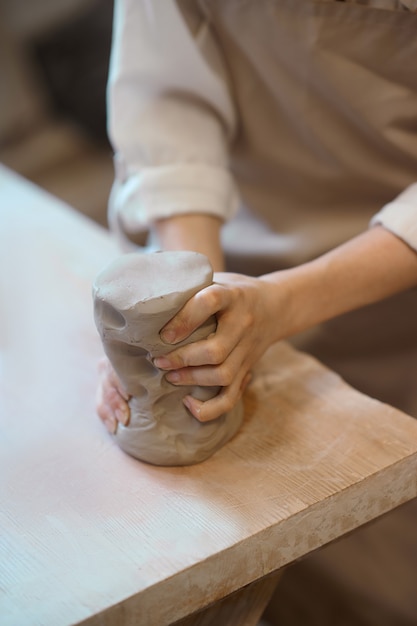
[90, 535]
[241, 608]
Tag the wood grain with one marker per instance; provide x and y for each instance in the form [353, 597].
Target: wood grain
[89, 535]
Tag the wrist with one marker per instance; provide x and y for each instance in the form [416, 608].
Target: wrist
[195, 232]
[372, 266]
[292, 300]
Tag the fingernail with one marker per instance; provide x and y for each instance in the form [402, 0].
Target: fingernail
[168, 336]
[122, 416]
[161, 362]
[173, 377]
[192, 407]
[111, 425]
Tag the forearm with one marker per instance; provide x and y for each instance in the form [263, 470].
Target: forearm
[170, 129]
[196, 232]
[366, 269]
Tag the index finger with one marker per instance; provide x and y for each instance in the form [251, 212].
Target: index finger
[198, 310]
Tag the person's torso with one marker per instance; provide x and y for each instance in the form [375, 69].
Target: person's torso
[326, 96]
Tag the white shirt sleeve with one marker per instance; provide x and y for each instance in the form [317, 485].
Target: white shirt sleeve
[170, 118]
[400, 216]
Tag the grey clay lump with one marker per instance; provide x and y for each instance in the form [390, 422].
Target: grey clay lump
[134, 297]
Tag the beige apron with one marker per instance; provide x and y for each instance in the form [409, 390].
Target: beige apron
[326, 95]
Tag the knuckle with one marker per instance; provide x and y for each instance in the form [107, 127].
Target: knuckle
[248, 320]
[236, 292]
[109, 394]
[228, 403]
[179, 360]
[215, 353]
[212, 299]
[226, 375]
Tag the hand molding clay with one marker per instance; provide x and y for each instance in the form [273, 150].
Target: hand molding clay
[134, 297]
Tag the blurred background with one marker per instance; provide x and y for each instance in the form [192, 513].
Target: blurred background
[54, 57]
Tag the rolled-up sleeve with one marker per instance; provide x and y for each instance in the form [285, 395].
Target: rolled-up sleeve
[170, 119]
[400, 216]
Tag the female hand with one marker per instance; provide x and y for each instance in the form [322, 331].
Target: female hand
[111, 398]
[368, 268]
[246, 326]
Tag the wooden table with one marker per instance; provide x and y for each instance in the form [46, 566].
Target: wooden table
[89, 535]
